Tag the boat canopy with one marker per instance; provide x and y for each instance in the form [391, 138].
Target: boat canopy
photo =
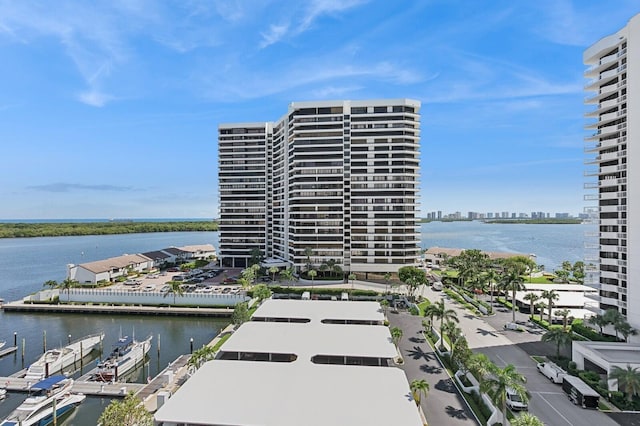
[123, 342]
[49, 382]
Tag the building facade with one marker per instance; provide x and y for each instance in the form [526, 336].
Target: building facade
[330, 182]
[613, 95]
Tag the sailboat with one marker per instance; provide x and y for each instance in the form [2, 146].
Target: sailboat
[48, 399]
[56, 360]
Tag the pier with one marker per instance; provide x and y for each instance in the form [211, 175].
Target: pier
[7, 351]
[20, 306]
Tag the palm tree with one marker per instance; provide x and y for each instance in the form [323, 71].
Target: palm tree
[308, 252]
[526, 419]
[200, 356]
[337, 269]
[387, 278]
[67, 284]
[624, 328]
[550, 295]
[512, 281]
[564, 313]
[532, 298]
[324, 267]
[491, 277]
[541, 307]
[454, 333]
[384, 303]
[480, 366]
[598, 320]
[444, 315]
[396, 335]
[613, 317]
[431, 311]
[558, 336]
[351, 278]
[312, 273]
[175, 288]
[50, 284]
[497, 382]
[287, 274]
[273, 270]
[419, 388]
[628, 379]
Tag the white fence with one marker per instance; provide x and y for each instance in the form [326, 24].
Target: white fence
[151, 298]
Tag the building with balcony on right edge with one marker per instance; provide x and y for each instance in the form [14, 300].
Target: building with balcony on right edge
[613, 141]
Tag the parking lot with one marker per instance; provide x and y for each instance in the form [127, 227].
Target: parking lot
[221, 281]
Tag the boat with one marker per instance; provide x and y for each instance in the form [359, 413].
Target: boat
[48, 399]
[125, 355]
[56, 360]
[2, 343]
[3, 394]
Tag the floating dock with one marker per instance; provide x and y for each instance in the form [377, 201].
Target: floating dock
[7, 351]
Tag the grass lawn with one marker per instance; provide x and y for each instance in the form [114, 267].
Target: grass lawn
[422, 305]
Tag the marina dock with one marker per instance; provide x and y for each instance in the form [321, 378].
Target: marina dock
[7, 351]
[20, 306]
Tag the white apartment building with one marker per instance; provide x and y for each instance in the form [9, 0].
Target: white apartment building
[330, 180]
[614, 142]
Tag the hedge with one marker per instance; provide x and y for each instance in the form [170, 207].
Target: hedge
[578, 327]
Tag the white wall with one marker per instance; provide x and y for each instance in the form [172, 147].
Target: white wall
[151, 298]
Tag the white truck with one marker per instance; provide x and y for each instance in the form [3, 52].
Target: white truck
[551, 371]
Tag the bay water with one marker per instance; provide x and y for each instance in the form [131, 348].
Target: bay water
[26, 263]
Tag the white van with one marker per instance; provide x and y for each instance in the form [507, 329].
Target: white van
[306, 295]
[515, 402]
[437, 286]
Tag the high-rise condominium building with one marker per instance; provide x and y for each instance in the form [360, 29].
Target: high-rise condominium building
[614, 141]
[333, 182]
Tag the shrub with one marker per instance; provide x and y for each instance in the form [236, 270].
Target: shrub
[414, 310]
[578, 327]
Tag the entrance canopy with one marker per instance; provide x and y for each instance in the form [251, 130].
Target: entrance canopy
[268, 263]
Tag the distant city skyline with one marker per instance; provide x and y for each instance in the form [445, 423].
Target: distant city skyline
[110, 110]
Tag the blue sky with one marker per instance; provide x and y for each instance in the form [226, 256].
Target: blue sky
[110, 108]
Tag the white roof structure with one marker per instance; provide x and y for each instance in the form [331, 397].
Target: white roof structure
[307, 340]
[566, 299]
[242, 392]
[559, 288]
[318, 310]
[277, 394]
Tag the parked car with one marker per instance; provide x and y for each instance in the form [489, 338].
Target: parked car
[515, 402]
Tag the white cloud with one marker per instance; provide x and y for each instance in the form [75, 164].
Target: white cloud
[274, 35]
[94, 98]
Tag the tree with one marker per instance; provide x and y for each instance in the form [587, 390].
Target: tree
[308, 252]
[599, 321]
[578, 271]
[175, 288]
[470, 264]
[312, 274]
[324, 267]
[256, 257]
[387, 279]
[384, 303]
[624, 328]
[532, 298]
[562, 275]
[273, 271]
[240, 314]
[67, 285]
[261, 292]
[250, 274]
[628, 380]
[550, 296]
[431, 311]
[613, 317]
[337, 269]
[512, 281]
[564, 313]
[50, 283]
[480, 366]
[558, 336]
[541, 307]
[497, 382]
[412, 277]
[526, 419]
[351, 278]
[444, 315]
[287, 274]
[396, 335]
[200, 356]
[453, 332]
[419, 388]
[127, 412]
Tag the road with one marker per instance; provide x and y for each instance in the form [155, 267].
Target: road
[443, 405]
[548, 402]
